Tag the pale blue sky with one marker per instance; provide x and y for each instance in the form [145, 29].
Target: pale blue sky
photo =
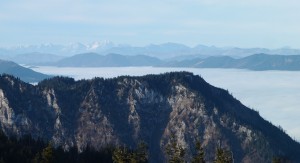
[242, 23]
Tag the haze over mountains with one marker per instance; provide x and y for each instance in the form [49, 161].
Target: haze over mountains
[164, 55]
[161, 51]
[252, 62]
[25, 74]
[107, 54]
[110, 60]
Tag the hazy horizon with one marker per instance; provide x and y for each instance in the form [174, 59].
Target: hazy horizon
[144, 45]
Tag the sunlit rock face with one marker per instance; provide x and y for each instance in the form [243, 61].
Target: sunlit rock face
[126, 110]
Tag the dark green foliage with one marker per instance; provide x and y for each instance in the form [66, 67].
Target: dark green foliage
[45, 156]
[19, 150]
[27, 150]
[175, 153]
[125, 155]
[142, 152]
[223, 156]
[199, 155]
[276, 160]
[120, 155]
[281, 160]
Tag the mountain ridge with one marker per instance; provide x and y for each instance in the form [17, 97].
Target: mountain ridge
[109, 60]
[126, 109]
[26, 74]
[258, 62]
[162, 51]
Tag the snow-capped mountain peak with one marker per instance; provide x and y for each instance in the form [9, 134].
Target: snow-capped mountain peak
[100, 45]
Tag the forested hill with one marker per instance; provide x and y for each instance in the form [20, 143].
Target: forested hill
[26, 74]
[156, 109]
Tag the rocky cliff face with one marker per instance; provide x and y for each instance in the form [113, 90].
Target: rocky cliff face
[124, 110]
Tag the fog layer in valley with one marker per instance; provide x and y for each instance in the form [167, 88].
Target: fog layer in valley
[275, 94]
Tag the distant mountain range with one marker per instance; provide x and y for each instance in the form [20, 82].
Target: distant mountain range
[25, 74]
[124, 110]
[162, 51]
[254, 62]
[110, 60]
[107, 54]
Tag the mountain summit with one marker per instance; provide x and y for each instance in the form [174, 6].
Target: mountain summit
[102, 112]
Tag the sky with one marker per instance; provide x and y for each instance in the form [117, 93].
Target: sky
[240, 23]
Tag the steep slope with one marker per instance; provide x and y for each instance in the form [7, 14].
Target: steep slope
[110, 60]
[26, 74]
[123, 110]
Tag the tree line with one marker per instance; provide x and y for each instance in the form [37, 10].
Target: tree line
[29, 150]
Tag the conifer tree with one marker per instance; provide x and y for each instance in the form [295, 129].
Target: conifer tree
[120, 155]
[46, 156]
[175, 153]
[142, 152]
[199, 156]
[125, 155]
[275, 160]
[223, 156]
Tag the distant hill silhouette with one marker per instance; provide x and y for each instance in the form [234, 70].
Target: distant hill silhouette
[25, 74]
[110, 60]
[254, 62]
[162, 51]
